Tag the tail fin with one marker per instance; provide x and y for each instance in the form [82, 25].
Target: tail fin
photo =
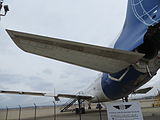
[140, 15]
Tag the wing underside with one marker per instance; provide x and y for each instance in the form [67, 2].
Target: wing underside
[90, 56]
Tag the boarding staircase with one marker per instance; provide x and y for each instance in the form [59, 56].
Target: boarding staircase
[70, 102]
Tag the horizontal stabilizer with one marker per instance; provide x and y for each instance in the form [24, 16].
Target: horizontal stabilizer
[143, 91]
[90, 56]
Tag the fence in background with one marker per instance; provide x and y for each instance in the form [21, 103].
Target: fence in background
[31, 112]
[35, 111]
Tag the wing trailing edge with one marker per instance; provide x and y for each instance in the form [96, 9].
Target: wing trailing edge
[90, 56]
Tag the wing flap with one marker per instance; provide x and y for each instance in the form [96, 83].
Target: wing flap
[90, 56]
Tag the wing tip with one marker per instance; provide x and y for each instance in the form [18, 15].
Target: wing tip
[13, 36]
[10, 33]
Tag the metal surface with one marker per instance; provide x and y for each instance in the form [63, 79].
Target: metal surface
[90, 56]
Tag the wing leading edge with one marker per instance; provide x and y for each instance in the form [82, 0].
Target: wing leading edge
[56, 97]
[90, 56]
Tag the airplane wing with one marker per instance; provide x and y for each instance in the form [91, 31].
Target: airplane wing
[90, 56]
[56, 97]
[26, 93]
[143, 91]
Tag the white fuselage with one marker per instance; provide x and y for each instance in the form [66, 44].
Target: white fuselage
[95, 90]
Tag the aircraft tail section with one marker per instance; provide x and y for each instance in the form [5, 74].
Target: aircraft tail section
[140, 15]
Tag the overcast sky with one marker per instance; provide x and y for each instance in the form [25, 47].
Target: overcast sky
[95, 22]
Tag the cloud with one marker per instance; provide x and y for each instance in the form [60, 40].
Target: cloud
[47, 71]
[95, 22]
[23, 83]
[20, 82]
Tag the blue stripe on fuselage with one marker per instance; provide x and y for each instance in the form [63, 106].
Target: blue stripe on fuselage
[118, 89]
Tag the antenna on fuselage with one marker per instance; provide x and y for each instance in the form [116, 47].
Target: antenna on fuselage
[3, 9]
